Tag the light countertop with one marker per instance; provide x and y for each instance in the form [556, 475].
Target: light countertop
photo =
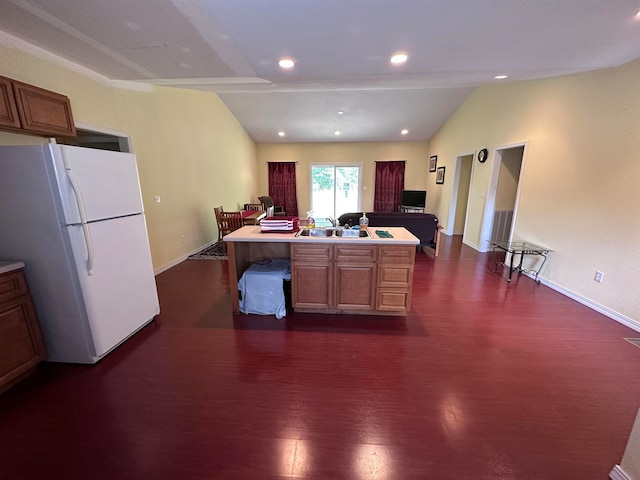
[401, 236]
[8, 266]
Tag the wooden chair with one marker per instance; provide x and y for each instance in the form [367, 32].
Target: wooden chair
[268, 202]
[217, 211]
[229, 222]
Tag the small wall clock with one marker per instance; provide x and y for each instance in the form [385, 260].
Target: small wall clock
[482, 155]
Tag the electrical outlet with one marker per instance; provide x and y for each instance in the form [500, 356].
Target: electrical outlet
[598, 277]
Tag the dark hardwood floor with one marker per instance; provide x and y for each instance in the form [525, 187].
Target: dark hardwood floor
[482, 380]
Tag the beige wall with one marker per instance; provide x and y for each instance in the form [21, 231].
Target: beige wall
[579, 194]
[415, 154]
[191, 151]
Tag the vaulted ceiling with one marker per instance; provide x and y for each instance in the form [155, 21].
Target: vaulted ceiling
[341, 50]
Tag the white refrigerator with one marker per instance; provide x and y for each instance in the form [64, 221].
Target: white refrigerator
[75, 217]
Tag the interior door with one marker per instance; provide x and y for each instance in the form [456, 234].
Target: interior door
[120, 294]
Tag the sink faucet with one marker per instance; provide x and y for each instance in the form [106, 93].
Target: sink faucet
[332, 221]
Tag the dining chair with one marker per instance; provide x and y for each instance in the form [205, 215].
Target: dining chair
[229, 222]
[217, 211]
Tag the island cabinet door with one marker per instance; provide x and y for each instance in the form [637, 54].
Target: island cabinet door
[311, 276]
[355, 277]
[355, 286]
[395, 278]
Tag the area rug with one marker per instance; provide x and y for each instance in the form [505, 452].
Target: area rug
[212, 252]
[634, 341]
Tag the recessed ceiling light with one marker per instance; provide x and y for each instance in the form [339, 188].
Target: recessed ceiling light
[133, 25]
[404, 131]
[399, 57]
[501, 77]
[340, 112]
[638, 14]
[286, 63]
[281, 133]
[337, 133]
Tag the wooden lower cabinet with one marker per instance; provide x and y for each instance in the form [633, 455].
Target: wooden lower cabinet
[312, 276]
[21, 344]
[348, 278]
[395, 278]
[313, 285]
[355, 276]
[355, 286]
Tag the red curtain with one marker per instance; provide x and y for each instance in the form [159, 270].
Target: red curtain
[282, 186]
[389, 186]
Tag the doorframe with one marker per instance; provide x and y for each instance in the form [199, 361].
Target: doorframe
[124, 139]
[489, 206]
[453, 204]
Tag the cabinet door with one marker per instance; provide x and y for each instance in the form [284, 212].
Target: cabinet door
[42, 111]
[355, 286]
[8, 110]
[399, 276]
[395, 278]
[393, 299]
[312, 284]
[405, 254]
[312, 276]
[21, 345]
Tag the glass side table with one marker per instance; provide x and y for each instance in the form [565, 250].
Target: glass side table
[522, 249]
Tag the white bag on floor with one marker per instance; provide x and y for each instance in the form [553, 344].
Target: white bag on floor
[261, 287]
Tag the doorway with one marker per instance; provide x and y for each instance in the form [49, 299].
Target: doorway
[100, 138]
[460, 198]
[504, 191]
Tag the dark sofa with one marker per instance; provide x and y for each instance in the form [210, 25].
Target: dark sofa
[422, 225]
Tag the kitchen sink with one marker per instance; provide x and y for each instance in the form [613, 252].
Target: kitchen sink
[330, 232]
[316, 232]
[350, 234]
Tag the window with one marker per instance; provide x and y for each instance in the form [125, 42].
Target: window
[335, 189]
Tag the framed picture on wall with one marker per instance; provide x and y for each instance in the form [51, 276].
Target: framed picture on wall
[440, 176]
[432, 163]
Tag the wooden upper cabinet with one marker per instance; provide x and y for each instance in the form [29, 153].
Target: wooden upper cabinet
[8, 109]
[43, 112]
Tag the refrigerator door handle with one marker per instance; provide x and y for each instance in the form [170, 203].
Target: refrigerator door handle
[83, 214]
[89, 242]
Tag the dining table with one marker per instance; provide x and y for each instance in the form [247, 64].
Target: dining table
[253, 217]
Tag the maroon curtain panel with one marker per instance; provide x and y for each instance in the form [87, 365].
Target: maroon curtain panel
[282, 186]
[389, 186]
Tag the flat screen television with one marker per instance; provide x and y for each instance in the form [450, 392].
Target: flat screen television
[414, 198]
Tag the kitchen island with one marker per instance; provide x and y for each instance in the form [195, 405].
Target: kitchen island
[371, 275]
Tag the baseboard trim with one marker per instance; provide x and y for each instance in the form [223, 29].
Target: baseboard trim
[618, 474]
[181, 259]
[472, 245]
[612, 314]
